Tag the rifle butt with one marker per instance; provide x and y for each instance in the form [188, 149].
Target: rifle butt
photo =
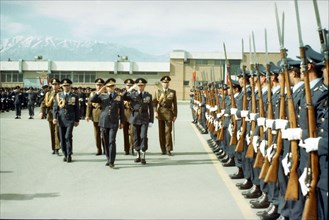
[311, 207]
[220, 135]
[240, 145]
[233, 140]
[259, 160]
[264, 169]
[292, 187]
[250, 151]
[272, 174]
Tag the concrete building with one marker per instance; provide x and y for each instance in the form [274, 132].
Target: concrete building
[208, 66]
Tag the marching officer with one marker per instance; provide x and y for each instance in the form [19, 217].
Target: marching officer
[141, 118]
[47, 106]
[111, 118]
[128, 137]
[93, 112]
[165, 107]
[67, 116]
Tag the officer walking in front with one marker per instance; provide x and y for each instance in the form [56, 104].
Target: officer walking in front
[111, 118]
[18, 101]
[165, 107]
[142, 117]
[31, 99]
[67, 115]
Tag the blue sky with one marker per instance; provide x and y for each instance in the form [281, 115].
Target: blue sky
[157, 27]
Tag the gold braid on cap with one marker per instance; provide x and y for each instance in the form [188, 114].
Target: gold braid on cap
[49, 101]
[60, 101]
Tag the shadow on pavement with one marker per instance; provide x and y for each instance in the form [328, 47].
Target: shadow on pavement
[17, 196]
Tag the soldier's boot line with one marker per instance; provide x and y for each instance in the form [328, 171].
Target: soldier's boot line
[138, 157]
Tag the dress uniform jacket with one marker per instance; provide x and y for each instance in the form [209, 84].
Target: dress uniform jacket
[142, 107]
[69, 114]
[166, 104]
[93, 109]
[112, 105]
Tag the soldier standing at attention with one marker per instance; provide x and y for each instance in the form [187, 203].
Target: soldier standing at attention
[93, 112]
[111, 115]
[31, 99]
[47, 106]
[128, 137]
[165, 107]
[67, 116]
[141, 118]
[18, 101]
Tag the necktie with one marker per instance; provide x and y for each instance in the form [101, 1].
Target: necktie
[141, 95]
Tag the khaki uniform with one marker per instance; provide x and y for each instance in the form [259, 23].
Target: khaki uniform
[47, 106]
[93, 111]
[165, 104]
[128, 137]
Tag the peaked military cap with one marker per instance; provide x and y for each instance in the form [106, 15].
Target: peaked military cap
[129, 82]
[262, 70]
[312, 55]
[65, 82]
[110, 82]
[140, 81]
[165, 79]
[274, 69]
[320, 65]
[54, 80]
[247, 73]
[235, 83]
[99, 81]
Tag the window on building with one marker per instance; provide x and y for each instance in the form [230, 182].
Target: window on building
[201, 62]
[11, 76]
[186, 82]
[76, 77]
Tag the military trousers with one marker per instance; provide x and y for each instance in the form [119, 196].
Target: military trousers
[97, 134]
[140, 137]
[109, 142]
[18, 109]
[31, 109]
[66, 137]
[165, 135]
[54, 136]
[128, 137]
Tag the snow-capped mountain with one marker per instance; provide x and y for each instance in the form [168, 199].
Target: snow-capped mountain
[27, 48]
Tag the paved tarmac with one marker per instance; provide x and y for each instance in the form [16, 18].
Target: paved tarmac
[35, 184]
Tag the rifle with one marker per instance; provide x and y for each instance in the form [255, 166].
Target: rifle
[233, 104]
[240, 145]
[259, 157]
[250, 151]
[266, 164]
[220, 133]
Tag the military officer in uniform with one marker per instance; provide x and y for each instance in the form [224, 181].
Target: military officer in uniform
[31, 99]
[93, 112]
[141, 118]
[47, 106]
[66, 115]
[128, 137]
[165, 107]
[111, 118]
[18, 101]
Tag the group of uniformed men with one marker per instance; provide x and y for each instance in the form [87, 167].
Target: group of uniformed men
[131, 109]
[264, 130]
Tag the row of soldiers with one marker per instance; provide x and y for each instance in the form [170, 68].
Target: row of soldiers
[251, 125]
[25, 97]
[109, 108]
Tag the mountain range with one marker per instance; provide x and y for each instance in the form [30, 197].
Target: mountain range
[27, 48]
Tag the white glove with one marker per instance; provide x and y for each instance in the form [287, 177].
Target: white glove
[286, 164]
[310, 144]
[248, 139]
[238, 134]
[207, 106]
[302, 182]
[262, 147]
[253, 116]
[230, 129]
[233, 111]
[269, 123]
[255, 143]
[222, 111]
[270, 152]
[280, 124]
[292, 134]
[199, 104]
[131, 88]
[261, 121]
[150, 124]
[219, 115]
[244, 114]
